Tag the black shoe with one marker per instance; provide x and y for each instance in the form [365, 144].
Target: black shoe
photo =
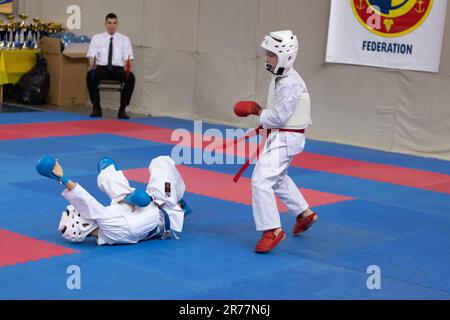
[123, 115]
[96, 112]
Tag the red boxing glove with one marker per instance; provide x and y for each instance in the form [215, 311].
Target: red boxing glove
[246, 108]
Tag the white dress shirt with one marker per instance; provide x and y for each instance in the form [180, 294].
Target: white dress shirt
[99, 48]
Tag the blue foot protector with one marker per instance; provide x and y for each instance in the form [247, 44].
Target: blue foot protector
[187, 210]
[105, 162]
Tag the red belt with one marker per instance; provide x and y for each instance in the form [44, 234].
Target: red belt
[252, 134]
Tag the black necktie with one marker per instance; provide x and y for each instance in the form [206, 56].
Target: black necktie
[110, 54]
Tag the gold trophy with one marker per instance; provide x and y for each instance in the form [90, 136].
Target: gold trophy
[50, 27]
[59, 28]
[36, 29]
[16, 42]
[3, 34]
[54, 27]
[23, 31]
[10, 32]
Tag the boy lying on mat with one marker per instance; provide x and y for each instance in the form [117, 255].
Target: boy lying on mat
[134, 215]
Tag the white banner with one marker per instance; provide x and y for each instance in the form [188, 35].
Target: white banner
[399, 34]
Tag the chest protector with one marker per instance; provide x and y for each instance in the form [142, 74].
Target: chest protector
[301, 118]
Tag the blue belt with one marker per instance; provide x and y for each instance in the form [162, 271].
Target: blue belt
[166, 219]
[166, 224]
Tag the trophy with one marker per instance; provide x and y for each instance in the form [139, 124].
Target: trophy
[3, 33]
[16, 30]
[59, 28]
[10, 32]
[23, 30]
[50, 28]
[36, 34]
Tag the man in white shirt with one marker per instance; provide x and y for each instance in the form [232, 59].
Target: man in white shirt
[110, 54]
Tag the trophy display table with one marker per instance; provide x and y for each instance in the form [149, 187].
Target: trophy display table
[14, 64]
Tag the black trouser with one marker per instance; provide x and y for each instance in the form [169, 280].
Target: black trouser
[117, 73]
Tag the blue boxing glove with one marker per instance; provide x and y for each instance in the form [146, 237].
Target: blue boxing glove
[45, 166]
[105, 162]
[138, 198]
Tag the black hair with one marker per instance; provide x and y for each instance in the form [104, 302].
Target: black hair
[111, 16]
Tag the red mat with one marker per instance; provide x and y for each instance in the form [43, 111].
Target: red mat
[374, 171]
[17, 248]
[43, 130]
[221, 186]
[11, 135]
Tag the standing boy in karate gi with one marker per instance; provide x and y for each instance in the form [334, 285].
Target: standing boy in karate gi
[287, 115]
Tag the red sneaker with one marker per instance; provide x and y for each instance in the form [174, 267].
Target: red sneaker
[302, 224]
[269, 240]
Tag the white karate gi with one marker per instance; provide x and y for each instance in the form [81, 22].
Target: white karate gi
[118, 223]
[270, 176]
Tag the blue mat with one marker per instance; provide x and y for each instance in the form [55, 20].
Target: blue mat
[402, 230]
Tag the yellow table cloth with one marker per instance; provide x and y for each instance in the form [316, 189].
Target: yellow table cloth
[15, 63]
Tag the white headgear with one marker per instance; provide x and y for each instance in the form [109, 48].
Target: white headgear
[74, 227]
[285, 45]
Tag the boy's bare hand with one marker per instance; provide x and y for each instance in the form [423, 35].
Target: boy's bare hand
[133, 207]
[57, 169]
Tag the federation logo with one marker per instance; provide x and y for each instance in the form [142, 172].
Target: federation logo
[391, 18]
